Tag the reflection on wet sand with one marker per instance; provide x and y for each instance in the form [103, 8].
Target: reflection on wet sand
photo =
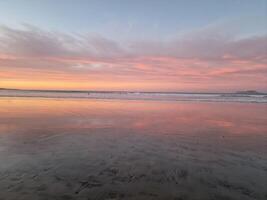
[112, 149]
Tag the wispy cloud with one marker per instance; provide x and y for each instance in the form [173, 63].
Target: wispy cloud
[203, 59]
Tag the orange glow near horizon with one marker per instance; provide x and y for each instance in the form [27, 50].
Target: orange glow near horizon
[87, 85]
[139, 72]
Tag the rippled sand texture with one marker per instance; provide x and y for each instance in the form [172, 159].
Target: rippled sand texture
[96, 149]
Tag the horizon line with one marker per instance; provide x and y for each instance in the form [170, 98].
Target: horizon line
[135, 91]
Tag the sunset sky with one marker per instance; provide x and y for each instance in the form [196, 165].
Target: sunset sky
[145, 45]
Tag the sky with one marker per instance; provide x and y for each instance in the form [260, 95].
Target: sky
[141, 45]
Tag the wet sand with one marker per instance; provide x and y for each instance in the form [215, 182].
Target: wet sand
[112, 149]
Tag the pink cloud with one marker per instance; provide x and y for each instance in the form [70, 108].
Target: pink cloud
[195, 62]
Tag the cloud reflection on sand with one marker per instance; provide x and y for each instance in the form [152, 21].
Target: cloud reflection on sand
[104, 149]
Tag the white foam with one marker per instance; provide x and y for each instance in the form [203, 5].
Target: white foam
[138, 96]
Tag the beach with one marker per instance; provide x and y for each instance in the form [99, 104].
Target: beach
[87, 149]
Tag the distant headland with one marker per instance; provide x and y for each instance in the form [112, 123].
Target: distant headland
[249, 92]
